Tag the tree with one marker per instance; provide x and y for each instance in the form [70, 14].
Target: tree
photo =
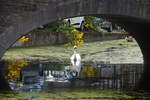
[73, 36]
[91, 24]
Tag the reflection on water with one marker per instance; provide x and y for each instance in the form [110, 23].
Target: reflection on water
[13, 69]
[103, 75]
[56, 80]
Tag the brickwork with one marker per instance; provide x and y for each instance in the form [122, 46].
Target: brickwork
[19, 17]
[14, 11]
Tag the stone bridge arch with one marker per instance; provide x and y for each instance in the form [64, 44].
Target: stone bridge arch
[133, 15]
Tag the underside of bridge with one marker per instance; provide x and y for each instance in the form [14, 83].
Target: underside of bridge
[133, 15]
[140, 32]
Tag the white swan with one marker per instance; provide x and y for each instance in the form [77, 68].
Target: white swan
[76, 60]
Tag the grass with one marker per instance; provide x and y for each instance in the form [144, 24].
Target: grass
[10, 96]
[75, 93]
[115, 51]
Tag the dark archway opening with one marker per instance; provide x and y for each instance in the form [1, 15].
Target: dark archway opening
[135, 30]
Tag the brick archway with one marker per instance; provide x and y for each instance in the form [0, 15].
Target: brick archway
[131, 14]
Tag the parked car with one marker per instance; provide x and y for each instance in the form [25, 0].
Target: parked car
[76, 22]
[104, 24]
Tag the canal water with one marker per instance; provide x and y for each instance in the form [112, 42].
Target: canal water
[55, 81]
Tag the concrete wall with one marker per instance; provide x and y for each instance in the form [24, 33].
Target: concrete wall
[42, 38]
[53, 38]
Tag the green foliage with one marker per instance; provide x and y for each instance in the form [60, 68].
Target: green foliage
[89, 19]
[90, 23]
[58, 26]
[73, 36]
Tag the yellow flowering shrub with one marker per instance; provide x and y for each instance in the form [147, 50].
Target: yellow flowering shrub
[14, 67]
[23, 39]
[88, 71]
[74, 31]
[76, 37]
[88, 25]
[72, 35]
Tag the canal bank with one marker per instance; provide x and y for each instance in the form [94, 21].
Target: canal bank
[113, 51]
